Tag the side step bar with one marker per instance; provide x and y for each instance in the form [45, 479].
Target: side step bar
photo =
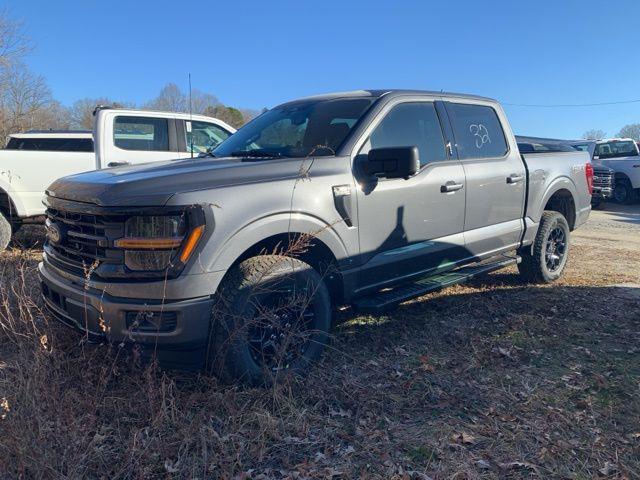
[388, 299]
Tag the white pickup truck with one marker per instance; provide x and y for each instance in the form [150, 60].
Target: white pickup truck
[621, 155]
[32, 161]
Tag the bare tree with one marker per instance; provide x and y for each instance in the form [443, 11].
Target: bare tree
[81, 112]
[23, 99]
[594, 134]
[13, 45]
[630, 131]
[201, 101]
[172, 99]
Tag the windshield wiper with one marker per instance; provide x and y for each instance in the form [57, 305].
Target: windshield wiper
[257, 153]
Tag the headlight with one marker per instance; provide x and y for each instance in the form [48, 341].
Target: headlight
[157, 242]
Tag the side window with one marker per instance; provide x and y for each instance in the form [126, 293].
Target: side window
[141, 133]
[204, 136]
[477, 130]
[412, 124]
[51, 144]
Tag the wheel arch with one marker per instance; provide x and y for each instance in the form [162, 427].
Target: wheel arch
[8, 205]
[563, 202]
[301, 236]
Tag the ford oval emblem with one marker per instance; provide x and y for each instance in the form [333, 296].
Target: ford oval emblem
[54, 232]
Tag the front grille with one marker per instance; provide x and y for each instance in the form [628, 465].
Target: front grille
[84, 240]
[603, 179]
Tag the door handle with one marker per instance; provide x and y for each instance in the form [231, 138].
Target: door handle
[515, 178]
[117, 164]
[450, 187]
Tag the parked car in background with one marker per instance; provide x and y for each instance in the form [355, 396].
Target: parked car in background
[623, 157]
[603, 177]
[32, 161]
[366, 198]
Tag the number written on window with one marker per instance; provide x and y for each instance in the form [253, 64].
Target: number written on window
[477, 131]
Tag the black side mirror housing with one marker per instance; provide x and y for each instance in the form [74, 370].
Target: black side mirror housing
[392, 162]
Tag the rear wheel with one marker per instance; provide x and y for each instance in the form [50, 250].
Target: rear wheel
[545, 261]
[5, 232]
[272, 317]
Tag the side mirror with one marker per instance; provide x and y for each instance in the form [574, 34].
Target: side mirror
[392, 162]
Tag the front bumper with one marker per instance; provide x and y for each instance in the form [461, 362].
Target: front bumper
[179, 340]
[603, 192]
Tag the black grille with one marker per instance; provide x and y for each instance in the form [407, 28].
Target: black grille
[84, 240]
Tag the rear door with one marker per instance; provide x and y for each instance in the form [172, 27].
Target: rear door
[495, 177]
[413, 226]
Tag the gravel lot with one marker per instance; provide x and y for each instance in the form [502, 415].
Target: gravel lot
[494, 379]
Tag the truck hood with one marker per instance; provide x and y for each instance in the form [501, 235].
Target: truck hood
[153, 184]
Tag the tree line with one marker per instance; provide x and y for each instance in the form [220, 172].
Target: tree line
[628, 131]
[27, 103]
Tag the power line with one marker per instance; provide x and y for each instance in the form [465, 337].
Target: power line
[563, 105]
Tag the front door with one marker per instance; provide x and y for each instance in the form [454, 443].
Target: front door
[413, 226]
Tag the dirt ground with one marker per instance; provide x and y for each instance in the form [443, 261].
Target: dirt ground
[495, 379]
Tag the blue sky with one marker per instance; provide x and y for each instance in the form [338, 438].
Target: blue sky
[259, 53]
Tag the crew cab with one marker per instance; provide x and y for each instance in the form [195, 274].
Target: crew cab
[623, 157]
[32, 160]
[236, 262]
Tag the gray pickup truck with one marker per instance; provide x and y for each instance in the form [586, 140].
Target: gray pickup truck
[235, 262]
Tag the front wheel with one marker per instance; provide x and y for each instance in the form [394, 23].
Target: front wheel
[623, 192]
[5, 232]
[545, 261]
[272, 317]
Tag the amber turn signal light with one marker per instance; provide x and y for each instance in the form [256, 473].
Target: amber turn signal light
[191, 242]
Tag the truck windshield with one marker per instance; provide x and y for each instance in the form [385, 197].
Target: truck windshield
[300, 129]
[616, 148]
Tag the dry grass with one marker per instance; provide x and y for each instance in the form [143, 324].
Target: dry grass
[489, 380]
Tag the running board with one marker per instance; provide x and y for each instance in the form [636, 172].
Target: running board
[391, 298]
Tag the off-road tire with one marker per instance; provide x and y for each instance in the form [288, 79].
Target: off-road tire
[533, 267]
[5, 232]
[230, 353]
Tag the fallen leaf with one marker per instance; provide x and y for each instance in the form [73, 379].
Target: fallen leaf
[463, 438]
[425, 365]
[608, 468]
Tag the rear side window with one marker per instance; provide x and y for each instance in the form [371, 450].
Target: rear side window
[141, 133]
[204, 136]
[51, 144]
[477, 130]
[412, 124]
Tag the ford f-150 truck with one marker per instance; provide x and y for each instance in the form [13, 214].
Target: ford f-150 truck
[368, 198]
[622, 155]
[31, 161]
